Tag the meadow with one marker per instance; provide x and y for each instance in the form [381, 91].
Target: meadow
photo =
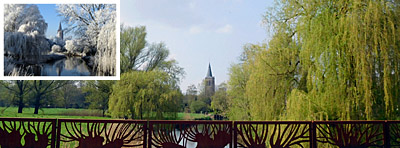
[72, 113]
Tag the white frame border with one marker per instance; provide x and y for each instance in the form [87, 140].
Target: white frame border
[116, 77]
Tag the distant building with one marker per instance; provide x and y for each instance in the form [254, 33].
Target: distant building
[209, 83]
[60, 33]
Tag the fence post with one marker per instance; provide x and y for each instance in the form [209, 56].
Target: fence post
[313, 136]
[57, 126]
[386, 134]
[234, 134]
[150, 130]
[145, 133]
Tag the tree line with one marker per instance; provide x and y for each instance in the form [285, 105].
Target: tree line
[326, 60]
[148, 89]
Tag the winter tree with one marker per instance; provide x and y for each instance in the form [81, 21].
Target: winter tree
[95, 23]
[23, 18]
[56, 48]
[87, 20]
[106, 50]
[24, 29]
[73, 46]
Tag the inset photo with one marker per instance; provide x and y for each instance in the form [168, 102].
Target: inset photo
[75, 40]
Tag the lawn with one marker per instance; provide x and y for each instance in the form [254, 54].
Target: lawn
[73, 113]
[52, 113]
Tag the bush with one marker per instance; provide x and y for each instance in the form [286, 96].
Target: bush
[198, 106]
[56, 48]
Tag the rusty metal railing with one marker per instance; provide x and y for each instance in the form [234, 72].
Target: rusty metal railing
[272, 133]
[101, 133]
[27, 132]
[82, 133]
[200, 134]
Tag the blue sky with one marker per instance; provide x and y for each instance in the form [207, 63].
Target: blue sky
[200, 31]
[195, 31]
[49, 14]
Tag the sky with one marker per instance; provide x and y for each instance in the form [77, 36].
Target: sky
[199, 32]
[196, 32]
[49, 14]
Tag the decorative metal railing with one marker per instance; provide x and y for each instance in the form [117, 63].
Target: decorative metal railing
[27, 133]
[278, 134]
[346, 134]
[101, 133]
[78, 133]
[200, 134]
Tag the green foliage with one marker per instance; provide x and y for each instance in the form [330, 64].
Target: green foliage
[145, 95]
[98, 94]
[18, 89]
[42, 88]
[334, 60]
[133, 42]
[220, 99]
[190, 96]
[149, 83]
[136, 54]
[239, 103]
[198, 106]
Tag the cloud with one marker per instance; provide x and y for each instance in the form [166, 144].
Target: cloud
[195, 30]
[192, 5]
[174, 13]
[171, 57]
[225, 29]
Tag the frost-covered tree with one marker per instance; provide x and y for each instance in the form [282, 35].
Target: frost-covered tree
[106, 50]
[73, 46]
[87, 20]
[56, 48]
[23, 18]
[24, 29]
[25, 47]
[94, 23]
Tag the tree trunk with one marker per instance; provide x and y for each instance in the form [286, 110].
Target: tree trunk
[65, 102]
[20, 103]
[141, 111]
[20, 95]
[37, 104]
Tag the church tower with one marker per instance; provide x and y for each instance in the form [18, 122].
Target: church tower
[209, 82]
[60, 33]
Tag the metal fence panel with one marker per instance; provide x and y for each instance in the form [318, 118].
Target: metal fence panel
[27, 132]
[101, 133]
[82, 133]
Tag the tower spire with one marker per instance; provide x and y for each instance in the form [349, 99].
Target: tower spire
[209, 73]
[209, 82]
[59, 27]
[60, 33]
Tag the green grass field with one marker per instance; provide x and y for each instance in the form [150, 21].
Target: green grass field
[52, 113]
[72, 113]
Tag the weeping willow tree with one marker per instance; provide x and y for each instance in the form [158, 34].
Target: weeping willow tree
[145, 95]
[334, 59]
[238, 102]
